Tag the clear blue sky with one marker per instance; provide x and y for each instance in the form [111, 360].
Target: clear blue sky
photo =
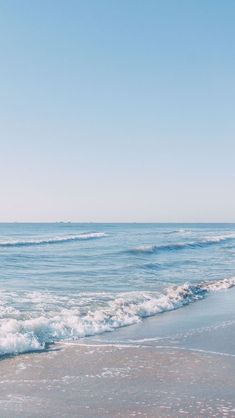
[117, 110]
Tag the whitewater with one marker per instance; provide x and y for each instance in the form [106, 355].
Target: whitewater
[63, 282]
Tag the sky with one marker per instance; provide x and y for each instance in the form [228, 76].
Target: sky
[117, 111]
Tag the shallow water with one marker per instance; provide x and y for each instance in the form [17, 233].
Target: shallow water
[65, 281]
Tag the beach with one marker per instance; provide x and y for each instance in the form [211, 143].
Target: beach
[141, 372]
[122, 382]
[117, 320]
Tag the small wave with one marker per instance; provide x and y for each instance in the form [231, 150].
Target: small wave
[180, 231]
[150, 249]
[54, 240]
[152, 266]
[19, 334]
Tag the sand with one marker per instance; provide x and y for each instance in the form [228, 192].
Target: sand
[118, 381]
[181, 363]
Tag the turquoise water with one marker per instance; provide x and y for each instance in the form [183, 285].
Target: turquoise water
[64, 281]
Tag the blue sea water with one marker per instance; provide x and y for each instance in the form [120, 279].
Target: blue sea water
[65, 281]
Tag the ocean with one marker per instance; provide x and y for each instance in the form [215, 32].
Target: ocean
[62, 282]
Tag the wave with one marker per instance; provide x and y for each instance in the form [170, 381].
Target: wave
[150, 249]
[54, 323]
[54, 240]
[181, 231]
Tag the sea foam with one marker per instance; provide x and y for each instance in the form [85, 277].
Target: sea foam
[53, 318]
[150, 249]
[54, 240]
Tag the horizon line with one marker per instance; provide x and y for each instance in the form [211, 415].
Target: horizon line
[117, 222]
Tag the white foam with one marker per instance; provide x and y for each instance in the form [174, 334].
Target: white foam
[219, 284]
[48, 321]
[174, 246]
[52, 240]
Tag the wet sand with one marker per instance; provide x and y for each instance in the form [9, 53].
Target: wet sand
[181, 363]
[117, 381]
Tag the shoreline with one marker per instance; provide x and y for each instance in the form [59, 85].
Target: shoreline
[117, 381]
[180, 363]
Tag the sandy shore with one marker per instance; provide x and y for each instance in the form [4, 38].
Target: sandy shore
[117, 381]
[181, 363]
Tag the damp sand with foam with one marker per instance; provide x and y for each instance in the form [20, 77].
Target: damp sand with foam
[187, 370]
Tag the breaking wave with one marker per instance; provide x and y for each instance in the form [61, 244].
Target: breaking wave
[150, 249]
[54, 240]
[48, 321]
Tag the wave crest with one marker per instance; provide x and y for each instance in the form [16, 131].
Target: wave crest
[54, 240]
[19, 334]
[150, 249]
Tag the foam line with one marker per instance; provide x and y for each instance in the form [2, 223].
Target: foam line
[54, 240]
[21, 332]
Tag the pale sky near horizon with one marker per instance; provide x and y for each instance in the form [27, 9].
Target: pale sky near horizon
[117, 110]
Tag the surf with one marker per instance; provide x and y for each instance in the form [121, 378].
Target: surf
[151, 249]
[51, 322]
[52, 240]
